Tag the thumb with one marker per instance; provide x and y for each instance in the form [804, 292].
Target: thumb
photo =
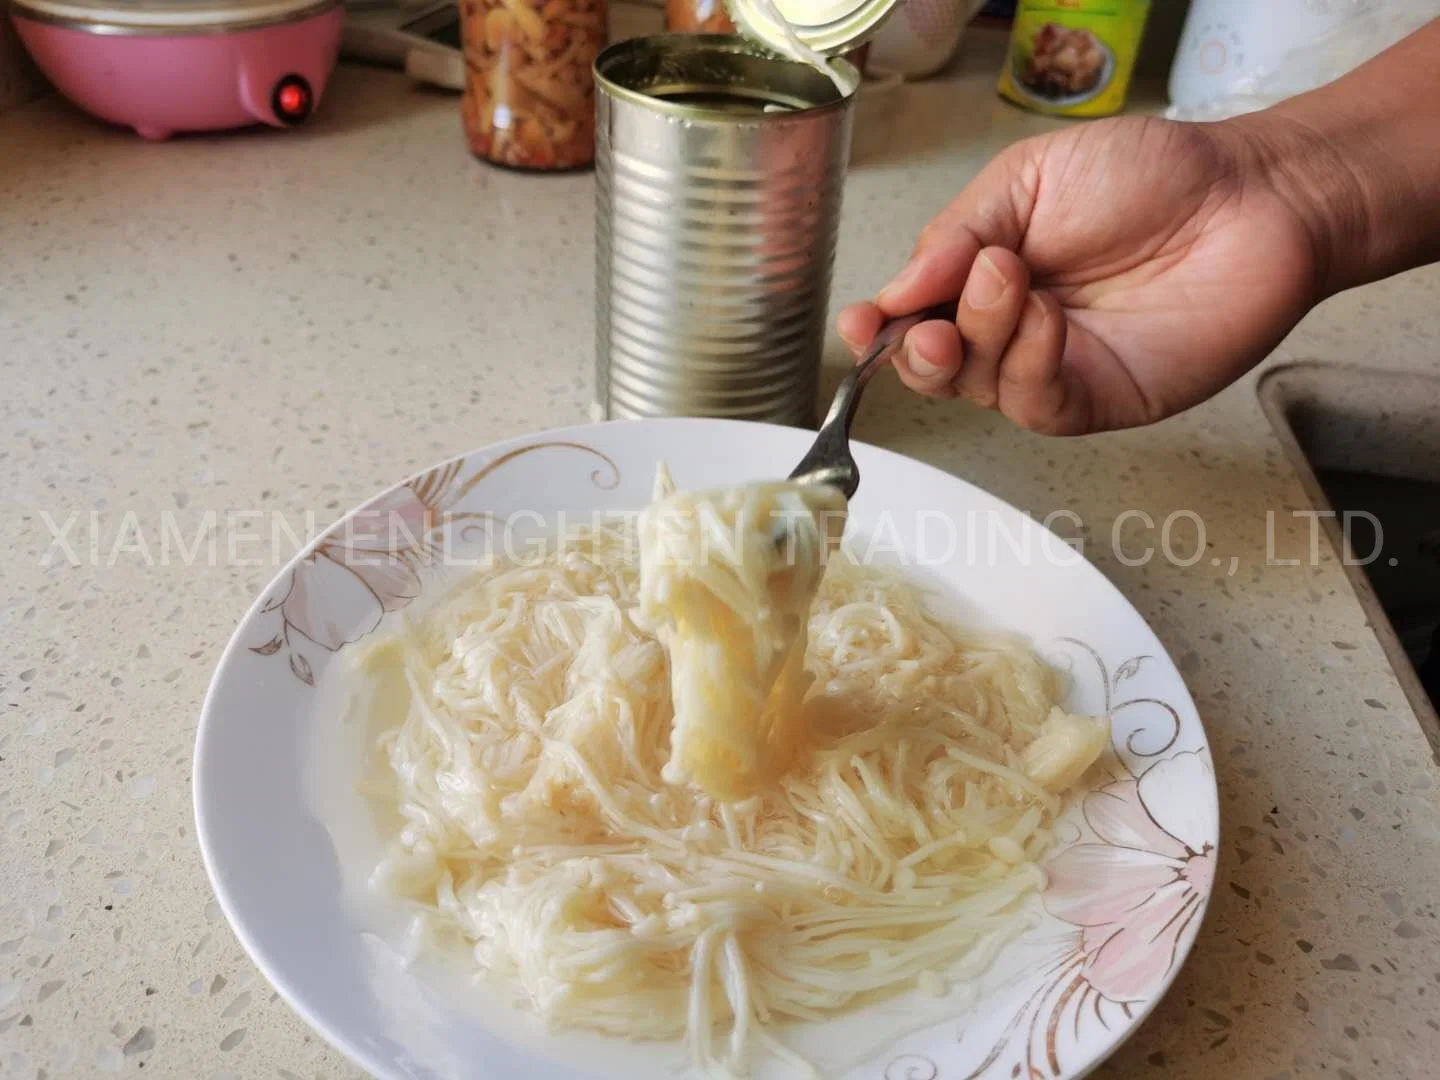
[993, 210]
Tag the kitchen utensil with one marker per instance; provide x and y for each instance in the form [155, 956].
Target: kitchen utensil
[289, 839]
[162, 66]
[829, 460]
[422, 38]
[719, 170]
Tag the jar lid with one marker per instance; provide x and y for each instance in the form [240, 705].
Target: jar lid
[168, 16]
[827, 27]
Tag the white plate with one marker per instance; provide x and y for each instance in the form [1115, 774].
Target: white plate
[287, 841]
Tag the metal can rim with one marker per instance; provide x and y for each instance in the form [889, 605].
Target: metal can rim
[729, 43]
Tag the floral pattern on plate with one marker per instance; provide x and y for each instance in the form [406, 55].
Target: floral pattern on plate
[1130, 881]
[370, 562]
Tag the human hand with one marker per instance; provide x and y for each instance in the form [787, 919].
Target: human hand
[1109, 275]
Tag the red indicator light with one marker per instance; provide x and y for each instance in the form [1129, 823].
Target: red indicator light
[292, 100]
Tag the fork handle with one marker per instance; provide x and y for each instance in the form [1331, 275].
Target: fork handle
[829, 459]
[882, 348]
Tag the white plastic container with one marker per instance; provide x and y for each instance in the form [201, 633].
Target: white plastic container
[1237, 56]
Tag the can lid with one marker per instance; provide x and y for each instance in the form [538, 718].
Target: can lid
[827, 27]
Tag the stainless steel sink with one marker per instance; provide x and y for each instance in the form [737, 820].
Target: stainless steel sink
[1369, 441]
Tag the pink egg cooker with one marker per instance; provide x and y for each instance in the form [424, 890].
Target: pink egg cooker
[162, 66]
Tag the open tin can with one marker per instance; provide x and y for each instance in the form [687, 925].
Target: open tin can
[720, 169]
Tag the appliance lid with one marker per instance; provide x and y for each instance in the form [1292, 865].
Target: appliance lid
[168, 16]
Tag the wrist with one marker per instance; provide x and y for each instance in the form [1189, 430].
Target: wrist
[1359, 162]
[1329, 190]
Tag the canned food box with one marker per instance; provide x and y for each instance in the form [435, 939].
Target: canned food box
[1073, 57]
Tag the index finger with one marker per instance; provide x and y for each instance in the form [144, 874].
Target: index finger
[935, 273]
[991, 210]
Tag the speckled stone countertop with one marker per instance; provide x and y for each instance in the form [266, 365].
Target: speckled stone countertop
[293, 321]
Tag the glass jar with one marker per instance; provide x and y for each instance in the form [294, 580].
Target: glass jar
[529, 99]
[702, 16]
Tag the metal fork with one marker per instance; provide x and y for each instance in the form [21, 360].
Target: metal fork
[829, 460]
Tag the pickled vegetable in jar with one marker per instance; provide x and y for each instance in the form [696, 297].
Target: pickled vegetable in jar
[705, 16]
[529, 99]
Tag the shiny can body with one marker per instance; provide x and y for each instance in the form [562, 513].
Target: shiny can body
[715, 228]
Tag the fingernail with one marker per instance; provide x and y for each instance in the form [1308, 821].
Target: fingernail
[1037, 308]
[853, 346]
[902, 280]
[917, 364]
[986, 285]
